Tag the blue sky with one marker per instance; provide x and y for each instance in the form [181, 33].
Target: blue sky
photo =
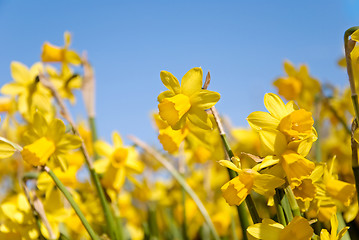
[242, 43]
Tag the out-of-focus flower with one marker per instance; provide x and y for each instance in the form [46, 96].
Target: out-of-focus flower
[119, 161]
[48, 139]
[27, 89]
[51, 53]
[298, 85]
[297, 229]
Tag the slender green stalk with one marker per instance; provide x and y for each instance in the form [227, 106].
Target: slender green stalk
[93, 129]
[72, 202]
[292, 201]
[233, 229]
[250, 204]
[279, 208]
[180, 180]
[152, 222]
[341, 225]
[107, 211]
[284, 202]
[184, 215]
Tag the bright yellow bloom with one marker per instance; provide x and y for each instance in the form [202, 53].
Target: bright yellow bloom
[237, 189]
[27, 89]
[39, 152]
[187, 100]
[51, 53]
[118, 162]
[48, 140]
[298, 85]
[284, 127]
[297, 229]
[333, 235]
[65, 82]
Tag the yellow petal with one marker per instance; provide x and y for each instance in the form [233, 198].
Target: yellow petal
[117, 140]
[259, 120]
[103, 148]
[101, 165]
[6, 149]
[265, 184]
[67, 38]
[204, 99]
[229, 164]
[72, 57]
[165, 94]
[297, 229]
[200, 118]
[20, 73]
[273, 142]
[12, 89]
[275, 105]
[355, 36]
[192, 81]
[170, 82]
[295, 165]
[289, 68]
[267, 230]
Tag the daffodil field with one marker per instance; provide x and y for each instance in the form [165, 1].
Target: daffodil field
[291, 174]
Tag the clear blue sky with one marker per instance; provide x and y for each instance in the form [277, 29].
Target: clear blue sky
[242, 43]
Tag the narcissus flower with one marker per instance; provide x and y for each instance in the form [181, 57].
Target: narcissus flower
[284, 127]
[48, 139]
[119, 161]
[236, 190]
[27, 88]
[298, 85]
[297, 229]
[51, 53]
[186, 101]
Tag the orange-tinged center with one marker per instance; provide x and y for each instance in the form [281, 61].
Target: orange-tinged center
[172, 109]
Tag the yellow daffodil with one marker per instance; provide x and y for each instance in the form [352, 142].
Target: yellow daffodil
[169, 138]
[298, 85]
[237, 189]
[51, 53]
[186, 101]
[48, 139]
[118, 162]
[334, 234]
[65, 82]
[27, 89]
[297, 229]
[284, 127]
[18, 221]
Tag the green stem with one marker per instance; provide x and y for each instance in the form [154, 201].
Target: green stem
[152, 222]
[341, 225]
[279, 208]
[233, 229]
[184, 215]
[114, 232]
[292, 201]
[73, 204]
[284, 202]
[181, 181]
[93, 129]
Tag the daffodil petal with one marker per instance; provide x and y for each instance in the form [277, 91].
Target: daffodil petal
[204, 99]
[275, 105]
[259, 120]
[268, 230]
[273, 141]
[355, 36]
[170, 82]
[12, 89]
[265, 184]
[165, 94]
[289, 68]
[72, 57]
[229, 164]
[19, 72]
[117, 140]
[103, 148]
[200, 118]
[192, 81]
